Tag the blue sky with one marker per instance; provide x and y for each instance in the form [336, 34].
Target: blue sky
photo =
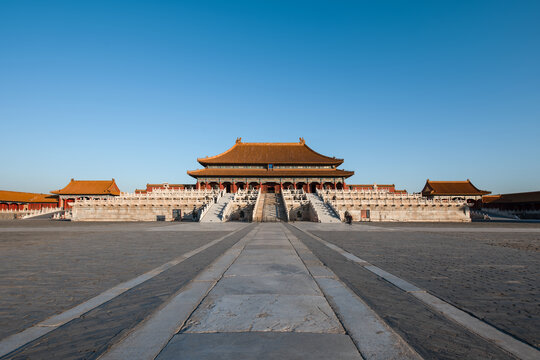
[402, 90]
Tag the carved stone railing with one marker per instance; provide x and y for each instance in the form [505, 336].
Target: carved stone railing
[43, 211]
[286, 206]
[257, 205]
[381, 198]
[203, 211]
[226, 211]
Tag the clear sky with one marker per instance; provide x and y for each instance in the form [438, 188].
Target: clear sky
[402, 90]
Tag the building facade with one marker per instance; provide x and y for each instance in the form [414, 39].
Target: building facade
[164, 186]
[525, 205]
[16, 200]
[270, 167]
[463, 190]
[86, 190]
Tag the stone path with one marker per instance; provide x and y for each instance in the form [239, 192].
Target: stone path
[262, 294]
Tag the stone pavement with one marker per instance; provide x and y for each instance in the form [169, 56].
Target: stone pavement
[268, 291]
[262, 300]
[491, 274]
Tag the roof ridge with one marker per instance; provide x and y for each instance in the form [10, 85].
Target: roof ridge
[272, 152]
[453, 181]
[24, 192]
[95, 180]
[271, 143]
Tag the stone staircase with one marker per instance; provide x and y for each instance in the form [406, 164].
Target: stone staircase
[325, 213]
[258, 215]
[215, 212]
[273, 208]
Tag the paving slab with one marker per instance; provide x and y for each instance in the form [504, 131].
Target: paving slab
[265, 269]
[260, 346]
[265, 259]
[320, 271]
[260, 246]
[292, 284]
[274, 241]
[271, 253]
[267, 312]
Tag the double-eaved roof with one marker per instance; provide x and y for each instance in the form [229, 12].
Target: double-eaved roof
[270, 153]
[89, 187]
[452, 188]
[298, 173]
[295, 160]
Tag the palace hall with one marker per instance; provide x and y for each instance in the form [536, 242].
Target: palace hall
[270, 167]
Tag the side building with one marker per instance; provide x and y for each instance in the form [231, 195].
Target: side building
[270, 167]
[454, 190]
[525, 205]
[20, 201]
[164, 186]
[86, 190]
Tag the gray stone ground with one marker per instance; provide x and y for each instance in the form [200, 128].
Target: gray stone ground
[47, 267]
[494, 275]
[489, 270]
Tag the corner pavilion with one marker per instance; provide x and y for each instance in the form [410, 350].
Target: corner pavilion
[270, 167]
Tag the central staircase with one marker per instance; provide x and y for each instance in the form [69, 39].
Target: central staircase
[273, 209]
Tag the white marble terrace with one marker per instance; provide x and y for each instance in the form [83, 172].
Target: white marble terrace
[187, 203]
[382, 205]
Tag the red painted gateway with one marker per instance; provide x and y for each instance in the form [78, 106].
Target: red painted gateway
[270, 167]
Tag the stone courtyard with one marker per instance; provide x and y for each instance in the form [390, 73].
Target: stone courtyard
[269, 290]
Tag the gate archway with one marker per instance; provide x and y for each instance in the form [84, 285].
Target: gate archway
[254, 185]
[328, 186]
[288, 185]
[270, 187]
[227, 185]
